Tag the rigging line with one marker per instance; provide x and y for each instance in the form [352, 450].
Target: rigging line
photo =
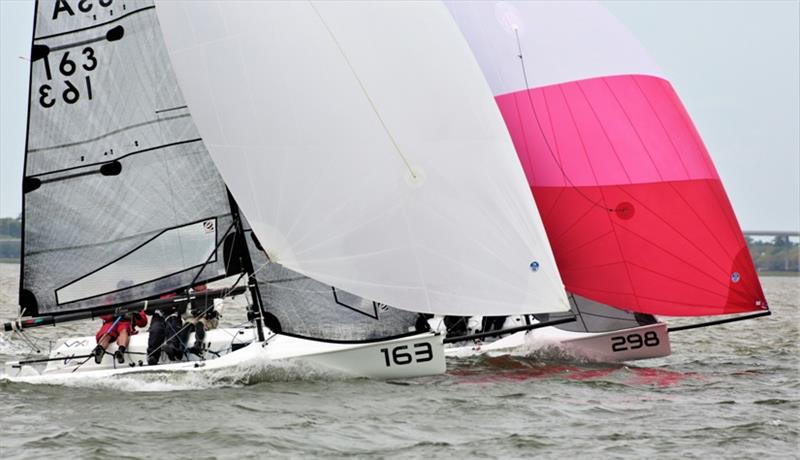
[28, 341]
[611, 221]
[541, 129]
[578, 309]
[719, 321]
[364, 90]
[615, 318]
[91, 355]
[208, 308]
[208, 259]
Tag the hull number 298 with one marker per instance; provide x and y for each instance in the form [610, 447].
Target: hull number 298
[402, 355]
[634, 341]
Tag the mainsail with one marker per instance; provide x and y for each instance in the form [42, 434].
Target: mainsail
[121, 199]
[363, 144]
[308, 308]
[633, 207]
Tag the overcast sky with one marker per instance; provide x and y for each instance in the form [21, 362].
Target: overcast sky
[735, 65]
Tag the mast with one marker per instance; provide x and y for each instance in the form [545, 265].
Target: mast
[24, 166]
[256, 312]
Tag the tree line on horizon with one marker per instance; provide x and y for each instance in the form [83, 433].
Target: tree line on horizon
[778, 255]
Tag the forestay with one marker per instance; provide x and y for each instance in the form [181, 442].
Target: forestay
[633, 206]
[121, 200]
[364, 146]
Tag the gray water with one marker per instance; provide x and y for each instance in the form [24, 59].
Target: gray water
[730, 391]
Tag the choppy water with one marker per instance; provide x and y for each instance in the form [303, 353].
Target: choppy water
[730, 391]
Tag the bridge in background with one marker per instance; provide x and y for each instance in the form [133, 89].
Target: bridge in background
[770, 234]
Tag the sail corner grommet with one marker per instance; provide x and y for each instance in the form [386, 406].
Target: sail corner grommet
[625, 210]
[415, 177]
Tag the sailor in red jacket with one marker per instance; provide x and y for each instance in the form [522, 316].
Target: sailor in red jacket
[119, 329]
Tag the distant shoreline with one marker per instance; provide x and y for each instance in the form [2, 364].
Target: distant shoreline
[779, 273]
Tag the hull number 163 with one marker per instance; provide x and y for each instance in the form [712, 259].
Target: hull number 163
[403, 355]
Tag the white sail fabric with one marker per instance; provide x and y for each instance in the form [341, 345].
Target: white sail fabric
[364, 145]
[562, 41]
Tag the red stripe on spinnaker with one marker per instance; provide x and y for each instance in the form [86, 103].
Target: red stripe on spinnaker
[632, 204]
[666, 249]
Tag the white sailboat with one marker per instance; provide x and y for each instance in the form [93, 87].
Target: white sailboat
[371, 163]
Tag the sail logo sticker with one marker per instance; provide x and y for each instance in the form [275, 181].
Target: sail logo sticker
[208, 226]
[534, 266]
[735, 277]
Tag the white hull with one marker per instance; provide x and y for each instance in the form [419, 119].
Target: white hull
[643, 342]
[402, 357]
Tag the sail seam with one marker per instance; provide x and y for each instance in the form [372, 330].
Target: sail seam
[675, 189]
[667, 224]
[633, 128]
[586, 243]
[655, 167]
[108, 134]
[712, 277]
[594, 175]
[661, 123]
[144, 243]
[528, 92]
[138, 235]
[366, 94]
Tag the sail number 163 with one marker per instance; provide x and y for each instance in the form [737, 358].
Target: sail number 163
[402, 354]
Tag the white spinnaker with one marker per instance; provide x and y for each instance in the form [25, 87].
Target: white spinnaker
[561, 41]
[364, 145]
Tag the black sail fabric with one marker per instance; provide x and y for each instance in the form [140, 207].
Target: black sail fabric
[121, 199]
[309, 308]
[594, 316]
